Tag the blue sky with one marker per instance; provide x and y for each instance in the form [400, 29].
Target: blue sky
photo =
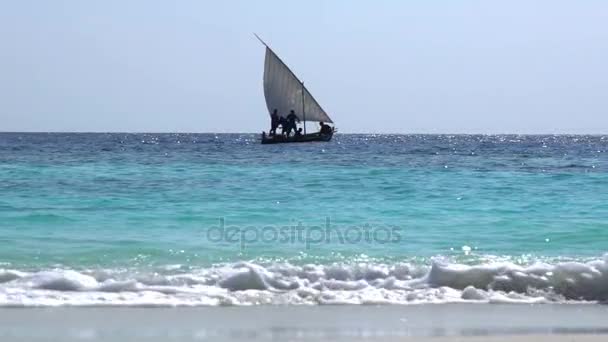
[375, 66]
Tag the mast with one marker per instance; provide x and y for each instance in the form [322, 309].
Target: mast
[303, 110]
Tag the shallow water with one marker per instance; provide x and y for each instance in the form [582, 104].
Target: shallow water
[167, 219]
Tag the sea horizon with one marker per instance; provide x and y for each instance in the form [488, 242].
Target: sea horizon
[259, 133]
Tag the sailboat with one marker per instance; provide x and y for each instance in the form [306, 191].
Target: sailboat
[284, 92]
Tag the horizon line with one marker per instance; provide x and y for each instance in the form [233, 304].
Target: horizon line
[345, 133]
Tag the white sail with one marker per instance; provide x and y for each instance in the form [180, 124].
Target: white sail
[283, 92]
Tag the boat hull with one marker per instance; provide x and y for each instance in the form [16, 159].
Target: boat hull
[281, 139]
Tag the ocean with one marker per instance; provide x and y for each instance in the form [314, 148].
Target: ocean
[117, 219]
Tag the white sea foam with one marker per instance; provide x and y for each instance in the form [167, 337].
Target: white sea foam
[248, 283]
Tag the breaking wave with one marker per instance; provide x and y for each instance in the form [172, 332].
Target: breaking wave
[249, 283]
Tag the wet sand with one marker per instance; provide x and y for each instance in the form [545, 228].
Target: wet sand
[445, 322]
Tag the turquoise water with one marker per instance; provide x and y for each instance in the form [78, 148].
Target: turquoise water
[143, 202]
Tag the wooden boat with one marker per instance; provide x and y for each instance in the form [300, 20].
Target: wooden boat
[280, 139]
[284, 92]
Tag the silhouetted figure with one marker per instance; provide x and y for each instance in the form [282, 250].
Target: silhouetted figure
[274, 122]
[291, 119]
[283, 123]
[299, 133]
[325, 129]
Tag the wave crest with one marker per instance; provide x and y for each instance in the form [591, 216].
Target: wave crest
[248, 283]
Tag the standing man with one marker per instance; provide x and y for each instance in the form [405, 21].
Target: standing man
[274, 122]
[292, 118]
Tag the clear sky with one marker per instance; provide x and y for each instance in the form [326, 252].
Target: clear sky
[460, 66]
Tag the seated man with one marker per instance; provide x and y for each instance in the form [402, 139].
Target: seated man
[299, 132]
[325, 129]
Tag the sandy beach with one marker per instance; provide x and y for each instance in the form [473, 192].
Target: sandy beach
[468, 322]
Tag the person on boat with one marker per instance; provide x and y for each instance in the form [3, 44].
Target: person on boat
[299, 132]
[324, 129]
[291, 119]
[283, 124]
[274, 122]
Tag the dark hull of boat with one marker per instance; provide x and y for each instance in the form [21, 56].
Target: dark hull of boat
[281, 139]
